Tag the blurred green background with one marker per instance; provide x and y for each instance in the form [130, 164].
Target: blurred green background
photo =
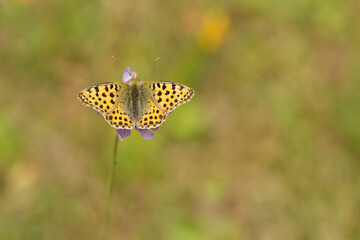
[269, 147]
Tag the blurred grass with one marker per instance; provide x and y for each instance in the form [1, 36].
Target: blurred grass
[269, 147]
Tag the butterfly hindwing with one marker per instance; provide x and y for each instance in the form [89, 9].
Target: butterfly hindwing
[118, 118]
[102, 97]
[169, 95]
[153, 117]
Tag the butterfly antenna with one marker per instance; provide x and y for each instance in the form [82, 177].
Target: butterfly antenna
[156, 59]
[114, 59]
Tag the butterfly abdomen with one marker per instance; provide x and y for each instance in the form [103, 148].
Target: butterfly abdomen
[135, 104]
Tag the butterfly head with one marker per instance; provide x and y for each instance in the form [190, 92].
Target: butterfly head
[135, 78]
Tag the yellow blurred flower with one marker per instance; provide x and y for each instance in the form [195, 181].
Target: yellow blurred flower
[213, 30]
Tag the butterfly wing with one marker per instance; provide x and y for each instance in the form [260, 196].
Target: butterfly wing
[118, 118]
[102, 97]
[169, 95]
[106, 98]
[153, 116]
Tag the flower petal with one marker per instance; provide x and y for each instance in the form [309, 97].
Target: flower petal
[145, 133]
[123, 133]
[126, 75]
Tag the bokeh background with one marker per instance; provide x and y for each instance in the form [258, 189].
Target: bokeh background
[269, 147]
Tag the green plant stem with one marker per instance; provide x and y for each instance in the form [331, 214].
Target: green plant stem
[109, 189]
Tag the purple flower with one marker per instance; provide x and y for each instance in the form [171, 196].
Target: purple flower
[127, 75]
[124, 133]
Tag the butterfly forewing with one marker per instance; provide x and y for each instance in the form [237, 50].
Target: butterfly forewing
[103, 97]
[169, 95]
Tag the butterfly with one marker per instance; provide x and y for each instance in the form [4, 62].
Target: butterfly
[136, 104]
